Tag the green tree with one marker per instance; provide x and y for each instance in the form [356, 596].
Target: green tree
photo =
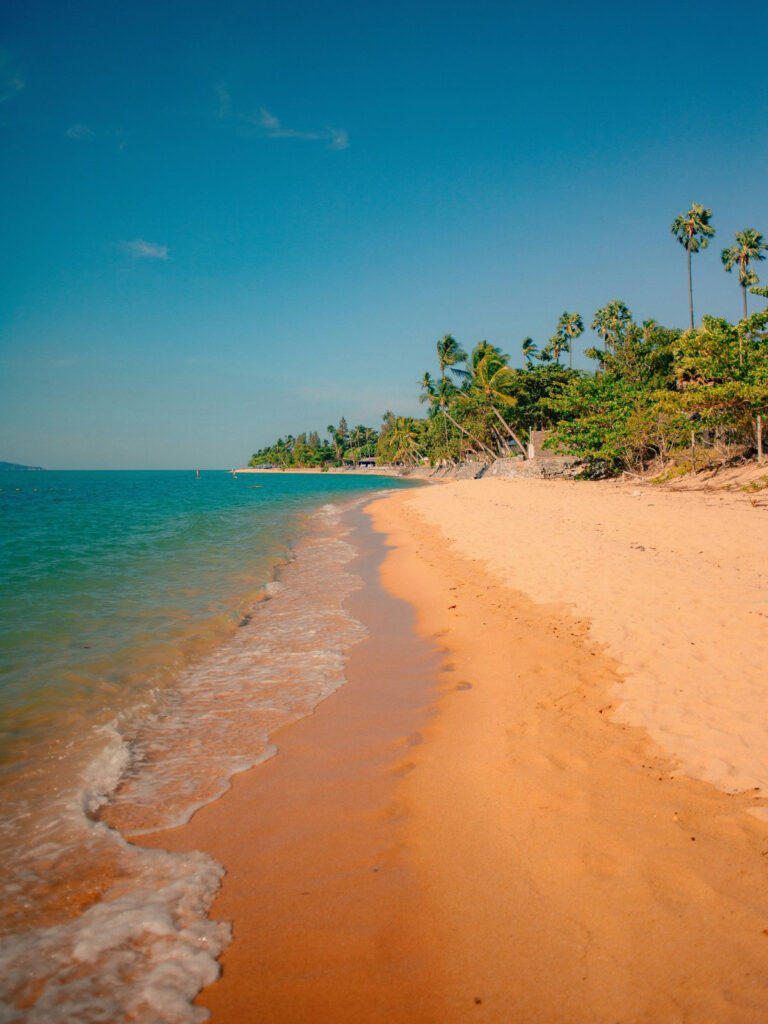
[492, 383]
[449, 353]
[530, 351]
[693, 231]
[401, 441]
[612, 323]
[439, 395]
[749, 248]
[556, 345]
[570, 326]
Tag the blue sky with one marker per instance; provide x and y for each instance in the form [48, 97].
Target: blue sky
[228, 221]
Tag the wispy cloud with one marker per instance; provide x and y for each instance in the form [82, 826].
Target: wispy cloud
[273, 128]
[80, 131]
[11, 81]
[145, 250]
[335, 138]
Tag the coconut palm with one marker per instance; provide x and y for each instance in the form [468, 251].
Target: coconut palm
[404, 440]
[693, 231]
[438, 395]
[530, 351]
[449, 352]
[611, 323]
[570, 326]
[750, 247]
[493, 383]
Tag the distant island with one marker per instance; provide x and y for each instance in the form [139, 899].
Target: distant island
[18, 465]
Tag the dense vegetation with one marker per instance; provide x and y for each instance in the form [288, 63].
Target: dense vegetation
[657, 394]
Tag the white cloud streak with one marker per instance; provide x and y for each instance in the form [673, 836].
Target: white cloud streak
[80, 131]
[145, 250]
[334, 137]
[273, 128]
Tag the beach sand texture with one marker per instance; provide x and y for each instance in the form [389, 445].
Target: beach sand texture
[675, 585]
[520, 853]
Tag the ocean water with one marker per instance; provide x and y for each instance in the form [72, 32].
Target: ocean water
[155, 629]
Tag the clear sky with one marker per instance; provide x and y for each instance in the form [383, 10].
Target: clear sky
[229, 220]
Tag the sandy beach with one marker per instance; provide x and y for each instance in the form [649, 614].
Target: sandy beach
[544, 803]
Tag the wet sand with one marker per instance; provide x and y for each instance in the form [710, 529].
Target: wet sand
[319, 887]
[503, 845]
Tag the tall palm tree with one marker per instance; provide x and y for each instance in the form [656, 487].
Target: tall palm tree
[570, 326]
[494, 383]
[449, 352]
[693, 231]
[336, 438]
[611, 323]
[556, 345]
[438, 395]
[749, 247]
[404, 439]
[530, 351]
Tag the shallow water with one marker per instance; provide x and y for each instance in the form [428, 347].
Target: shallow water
[156, 628]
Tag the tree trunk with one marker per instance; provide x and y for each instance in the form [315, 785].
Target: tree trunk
[690, 288]
[744, 291]
[510, 431]
[467, 433]
[693, 450]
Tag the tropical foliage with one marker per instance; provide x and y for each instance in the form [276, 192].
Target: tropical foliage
[750, 248]
[308, 451]
[656, 394]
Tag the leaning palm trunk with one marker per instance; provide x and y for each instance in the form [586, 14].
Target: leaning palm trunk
[509, 430]
[467, 434]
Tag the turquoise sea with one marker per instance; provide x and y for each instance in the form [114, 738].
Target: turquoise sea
[155, 629]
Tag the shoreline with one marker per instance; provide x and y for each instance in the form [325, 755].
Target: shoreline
[520, 851]
[317, 886]
[346, 470]
[588, 878]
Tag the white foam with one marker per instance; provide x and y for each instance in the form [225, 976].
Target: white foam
[146, 947]
[144, 951]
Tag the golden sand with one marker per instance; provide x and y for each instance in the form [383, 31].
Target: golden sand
[520, 852]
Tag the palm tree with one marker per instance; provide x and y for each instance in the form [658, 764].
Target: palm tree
[404, 439]
[611, 323]
[693, 232]
[570, 326]
[336, 438]
[449, 352]
[749, 247]
[530, 351]
[438, 397]
[494, 383]
[557, 344]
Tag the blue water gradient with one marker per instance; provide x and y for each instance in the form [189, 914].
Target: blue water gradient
[111, 582]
